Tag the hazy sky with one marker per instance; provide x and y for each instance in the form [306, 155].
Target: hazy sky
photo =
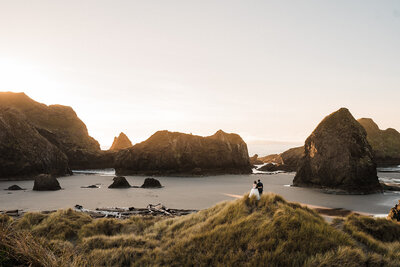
[268, 70]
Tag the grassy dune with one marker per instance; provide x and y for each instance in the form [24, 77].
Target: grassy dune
[244, 232]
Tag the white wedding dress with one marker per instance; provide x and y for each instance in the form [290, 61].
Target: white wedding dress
[254, 192]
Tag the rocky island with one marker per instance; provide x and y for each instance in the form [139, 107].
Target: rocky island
[119, 182]
[173, 153]
[338, 156]
[385, 146]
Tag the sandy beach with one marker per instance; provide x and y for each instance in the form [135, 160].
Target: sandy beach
[183, 193]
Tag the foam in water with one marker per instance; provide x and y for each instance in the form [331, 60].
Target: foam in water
[389, 169]
[255, 171]
[101, 172]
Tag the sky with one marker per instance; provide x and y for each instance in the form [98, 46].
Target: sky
[267, 70]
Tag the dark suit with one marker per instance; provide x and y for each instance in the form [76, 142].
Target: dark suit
[260, 187]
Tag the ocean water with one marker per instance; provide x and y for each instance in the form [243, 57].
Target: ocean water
[389, 175]
[182, 192]
[389, 169]
[100, 172]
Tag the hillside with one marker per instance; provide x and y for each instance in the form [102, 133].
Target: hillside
[23, 151]
[60, 122]
[61, 127]
[385, 143]
[242, 232]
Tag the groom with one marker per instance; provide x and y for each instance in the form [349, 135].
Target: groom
[260, 187]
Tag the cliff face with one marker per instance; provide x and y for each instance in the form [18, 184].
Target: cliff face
[60, 123]
[173, 153]
[60, 126]
[24, 152]
[338, 156]
[385, 143]
[121, 142]
[291, 158]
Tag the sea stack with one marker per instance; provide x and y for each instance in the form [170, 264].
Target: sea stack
[385, 143]
[46, 182]
[121, 142]
[151, 183]
[119, 182]
[338, 156]
[173, 153]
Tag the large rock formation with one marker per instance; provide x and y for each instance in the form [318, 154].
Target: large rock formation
[46, 182]
[286, 161]
[385, 143]
[338, 156]
[385, 147]
[60, 126]
[173, 153]
[24, 151]
[121, 142]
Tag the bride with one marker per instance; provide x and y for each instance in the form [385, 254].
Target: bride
[254, 191]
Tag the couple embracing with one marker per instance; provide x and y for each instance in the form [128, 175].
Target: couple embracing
[257, 189]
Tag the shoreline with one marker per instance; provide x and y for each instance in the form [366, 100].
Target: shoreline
[160, 210]
[190, 193]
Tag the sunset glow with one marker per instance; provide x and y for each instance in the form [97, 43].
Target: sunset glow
[267, 71]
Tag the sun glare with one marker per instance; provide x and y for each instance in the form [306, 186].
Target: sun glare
[31, 79]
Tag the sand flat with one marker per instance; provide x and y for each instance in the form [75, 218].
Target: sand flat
[182, 193]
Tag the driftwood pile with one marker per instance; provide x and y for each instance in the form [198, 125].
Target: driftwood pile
[150, 210]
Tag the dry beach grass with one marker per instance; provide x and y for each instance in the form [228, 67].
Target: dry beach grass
[242, 232]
